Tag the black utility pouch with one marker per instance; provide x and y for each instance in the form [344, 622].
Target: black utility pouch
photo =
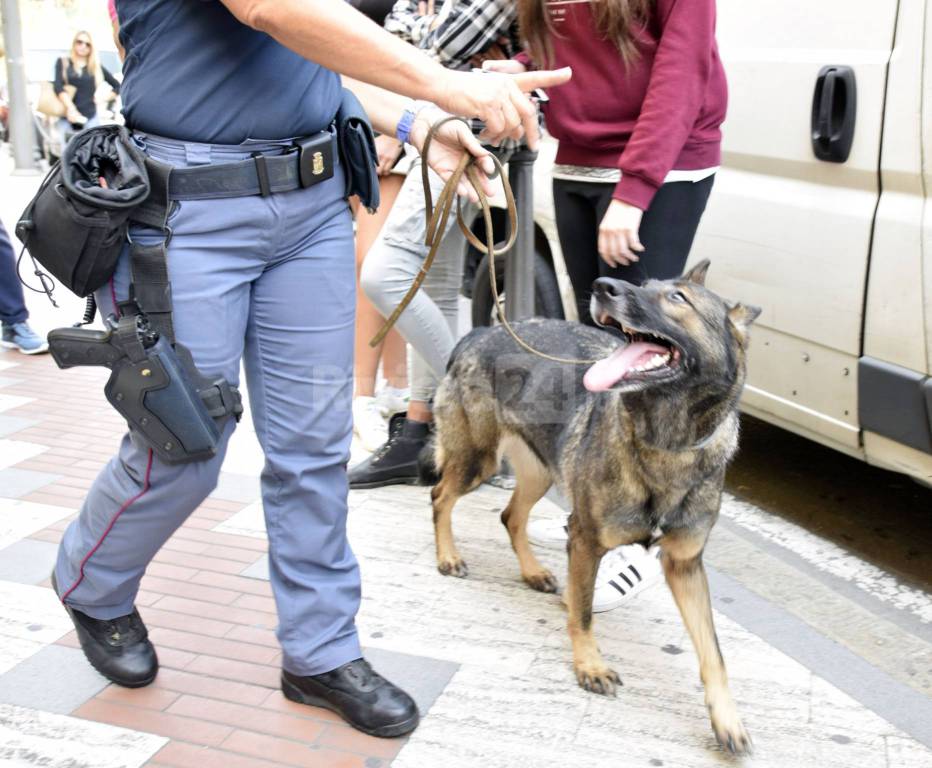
[357, 151]
[75, 227]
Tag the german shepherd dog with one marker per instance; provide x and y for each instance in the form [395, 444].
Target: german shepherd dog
[638, 443]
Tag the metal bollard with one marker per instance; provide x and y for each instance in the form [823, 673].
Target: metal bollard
[519, 261]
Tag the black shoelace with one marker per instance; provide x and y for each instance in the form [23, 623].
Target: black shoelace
[124, 630]
[363, 674]
[385, 447]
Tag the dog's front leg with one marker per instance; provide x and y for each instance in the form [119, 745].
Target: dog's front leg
[685, 573]
[591, 671]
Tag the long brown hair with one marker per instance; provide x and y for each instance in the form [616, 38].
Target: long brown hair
[616, 20]
[93, 63]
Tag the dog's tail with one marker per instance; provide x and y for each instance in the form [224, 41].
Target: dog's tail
[429, 468]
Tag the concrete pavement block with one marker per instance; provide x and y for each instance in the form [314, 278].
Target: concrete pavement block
[27, 561]
[16, 483]
[422, 677]
[258, 570]
[12, 424]
[56, 679]
[235, 487]
[14, 451]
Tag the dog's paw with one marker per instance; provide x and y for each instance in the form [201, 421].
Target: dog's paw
[601, 680]
[453, 566]
[729, 730]
[543, 581]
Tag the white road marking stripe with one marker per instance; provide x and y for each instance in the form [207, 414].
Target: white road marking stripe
[829, 558]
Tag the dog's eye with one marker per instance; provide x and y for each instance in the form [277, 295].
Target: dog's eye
[677, 297]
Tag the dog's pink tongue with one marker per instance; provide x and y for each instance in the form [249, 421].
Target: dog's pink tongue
[612, 369]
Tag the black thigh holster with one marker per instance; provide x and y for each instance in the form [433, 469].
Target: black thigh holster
[177, 411]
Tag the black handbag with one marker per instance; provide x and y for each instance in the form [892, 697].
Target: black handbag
[75, 226]
[357, 151]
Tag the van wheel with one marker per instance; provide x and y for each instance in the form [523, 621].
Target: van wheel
[547, 301]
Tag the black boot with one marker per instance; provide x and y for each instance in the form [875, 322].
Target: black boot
[360, 695]
[397, 461]
[117, 648]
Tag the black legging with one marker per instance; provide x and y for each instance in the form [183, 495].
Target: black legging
[667, 232]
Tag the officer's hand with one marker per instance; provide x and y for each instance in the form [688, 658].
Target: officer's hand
[509, 66]
[499, 100]
[447, 147]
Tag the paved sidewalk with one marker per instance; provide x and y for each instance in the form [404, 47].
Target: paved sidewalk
[487, 657]
[804, 629]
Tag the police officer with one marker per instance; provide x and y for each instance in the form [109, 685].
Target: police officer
[267, 279]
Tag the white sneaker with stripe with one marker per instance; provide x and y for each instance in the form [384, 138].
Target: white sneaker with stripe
[623, 573]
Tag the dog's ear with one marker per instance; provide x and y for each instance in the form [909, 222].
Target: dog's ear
[697, 273]
[741, 316]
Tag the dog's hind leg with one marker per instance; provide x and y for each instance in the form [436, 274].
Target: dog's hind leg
[463, 465]
[685, 573]
[584, 556]
[532, 481]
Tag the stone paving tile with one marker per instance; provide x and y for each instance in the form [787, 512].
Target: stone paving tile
[14, 451]
[235, 487]
[32, 737]
[30, 618]
[8, 402]
[422, 677]
[27, 561]
[248, 522]
[16, 483]
[258, 570]
[56, 679]
[12, 424]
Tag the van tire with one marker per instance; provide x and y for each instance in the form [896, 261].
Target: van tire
[547, 301]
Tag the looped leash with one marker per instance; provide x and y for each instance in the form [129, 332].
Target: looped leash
[437, 224]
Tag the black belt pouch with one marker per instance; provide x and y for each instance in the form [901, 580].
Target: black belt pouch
[357, 150]
[76, 225]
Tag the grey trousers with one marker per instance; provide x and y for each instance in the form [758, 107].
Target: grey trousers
[269, 281]
[429, 323]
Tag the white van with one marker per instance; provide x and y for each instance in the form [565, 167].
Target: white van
[819, 216]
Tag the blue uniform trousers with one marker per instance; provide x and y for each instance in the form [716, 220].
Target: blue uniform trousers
[269, 281]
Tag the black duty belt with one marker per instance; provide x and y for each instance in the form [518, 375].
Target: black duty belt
[309, 162]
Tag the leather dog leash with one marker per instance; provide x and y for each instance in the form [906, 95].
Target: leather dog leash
[436, 226]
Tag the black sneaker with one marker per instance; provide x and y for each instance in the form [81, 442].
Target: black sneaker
[117, 648]
[398, 461]
[360, 695]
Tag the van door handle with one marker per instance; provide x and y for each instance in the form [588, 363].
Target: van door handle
[834, 111]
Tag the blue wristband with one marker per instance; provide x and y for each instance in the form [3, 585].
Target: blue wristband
[406, 122]
[403, 129]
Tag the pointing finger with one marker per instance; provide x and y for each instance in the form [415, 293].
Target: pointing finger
[528, 81]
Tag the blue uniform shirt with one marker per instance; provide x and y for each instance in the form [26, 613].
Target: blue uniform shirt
[195, 73]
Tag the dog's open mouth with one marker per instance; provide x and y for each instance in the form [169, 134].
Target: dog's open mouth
[646, 357]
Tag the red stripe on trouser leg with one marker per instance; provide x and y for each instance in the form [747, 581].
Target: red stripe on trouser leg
[120, 511]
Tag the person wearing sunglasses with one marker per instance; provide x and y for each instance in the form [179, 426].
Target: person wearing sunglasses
[77, 78]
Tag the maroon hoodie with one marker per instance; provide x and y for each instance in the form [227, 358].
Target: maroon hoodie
[661, 113]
